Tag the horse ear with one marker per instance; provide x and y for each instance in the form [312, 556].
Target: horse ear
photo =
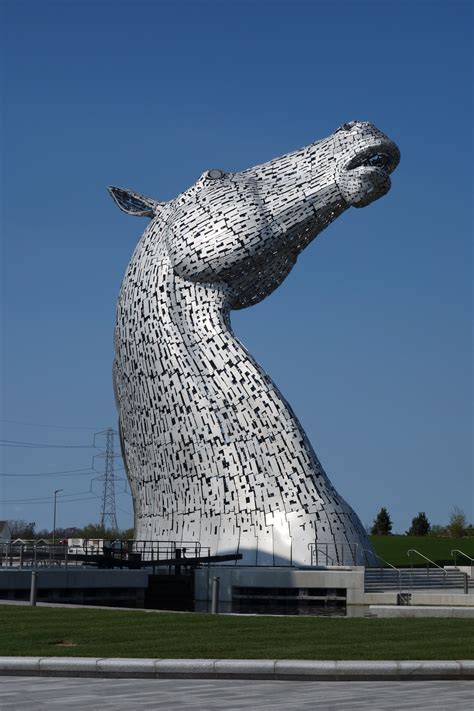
[134, 203]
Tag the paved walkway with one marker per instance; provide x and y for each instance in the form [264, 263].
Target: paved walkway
[57, 694]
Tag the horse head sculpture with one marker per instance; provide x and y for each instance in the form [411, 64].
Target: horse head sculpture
[213, 451]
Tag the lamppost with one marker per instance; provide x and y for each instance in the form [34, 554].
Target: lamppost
[54, 516]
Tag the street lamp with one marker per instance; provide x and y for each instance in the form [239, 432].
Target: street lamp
[54, 516]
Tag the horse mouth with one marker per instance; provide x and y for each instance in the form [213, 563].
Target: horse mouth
[383, 156]
[366, 175]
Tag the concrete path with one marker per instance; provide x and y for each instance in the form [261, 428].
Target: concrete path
[53, 694]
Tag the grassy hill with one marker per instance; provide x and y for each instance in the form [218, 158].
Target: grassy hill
[394, 549]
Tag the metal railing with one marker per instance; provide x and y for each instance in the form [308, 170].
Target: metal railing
[422, 555]
[32, 554]
[98, 551]
[313, 549]
[382, 569]
[456, 551]
[342, 553]
[154, 550]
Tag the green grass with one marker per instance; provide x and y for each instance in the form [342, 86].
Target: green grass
[108, 633]
[394, 549]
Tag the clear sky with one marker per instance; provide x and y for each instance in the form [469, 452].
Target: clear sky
[370, 336]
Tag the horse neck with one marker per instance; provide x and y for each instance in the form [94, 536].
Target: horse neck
[175, 334]
[197, 327]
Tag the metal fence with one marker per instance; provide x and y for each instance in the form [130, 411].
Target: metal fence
[327, 554]
[130, 553]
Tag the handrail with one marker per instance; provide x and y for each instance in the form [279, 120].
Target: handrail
[372, 552]
[367, 550]
[456, 550]
[413, 550]
[339, 547]
[315, 546]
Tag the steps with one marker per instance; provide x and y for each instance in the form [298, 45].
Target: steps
[385, 579]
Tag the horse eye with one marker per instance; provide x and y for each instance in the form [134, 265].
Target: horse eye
[215, 174]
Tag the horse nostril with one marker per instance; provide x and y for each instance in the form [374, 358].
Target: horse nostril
[379, 160]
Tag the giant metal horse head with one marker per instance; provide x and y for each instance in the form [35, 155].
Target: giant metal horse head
[213, 451]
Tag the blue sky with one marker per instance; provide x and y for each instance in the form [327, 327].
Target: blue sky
[370, 336]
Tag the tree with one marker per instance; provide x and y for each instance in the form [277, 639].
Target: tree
[95, 530]
[22, 529]
[382, 523]
[438, 531]
[420, 526]
[457, 523]
[60, 533]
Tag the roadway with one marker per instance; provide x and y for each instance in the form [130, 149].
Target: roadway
[18, 693]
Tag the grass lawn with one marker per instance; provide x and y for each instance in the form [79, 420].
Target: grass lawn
[394, 549]
[108, 633]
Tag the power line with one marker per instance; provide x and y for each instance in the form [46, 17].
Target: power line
[48, 503]
[46, 499]
[108, 510]
[74, 472]
[77, 472]
[56, 427]
[42, 445]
